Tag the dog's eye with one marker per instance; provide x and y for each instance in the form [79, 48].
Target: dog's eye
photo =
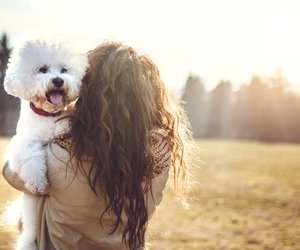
[43, 69]
[64, 70]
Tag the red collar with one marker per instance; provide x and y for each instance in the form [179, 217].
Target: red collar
[43, 112]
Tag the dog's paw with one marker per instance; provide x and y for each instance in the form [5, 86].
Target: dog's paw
[35, 182]
[41, 187]
[33, 173]
[62, 128]
[27, 246]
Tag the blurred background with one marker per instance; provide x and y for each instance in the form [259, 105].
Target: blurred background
[235, 65]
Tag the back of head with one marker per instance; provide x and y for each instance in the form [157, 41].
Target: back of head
[122, 99]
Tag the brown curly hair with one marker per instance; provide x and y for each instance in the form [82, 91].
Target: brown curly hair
[121, 100]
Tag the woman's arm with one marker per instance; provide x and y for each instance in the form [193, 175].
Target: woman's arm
[15, 181]
[162, 161]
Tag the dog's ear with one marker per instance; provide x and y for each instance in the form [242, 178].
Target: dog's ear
[13, 80]
[10, 82]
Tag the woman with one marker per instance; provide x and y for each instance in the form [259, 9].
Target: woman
[123, 140]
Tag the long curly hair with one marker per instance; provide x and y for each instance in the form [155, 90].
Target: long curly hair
[122, 98]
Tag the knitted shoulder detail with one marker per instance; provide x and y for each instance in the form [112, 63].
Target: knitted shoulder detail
[160, 150]
[64, 142]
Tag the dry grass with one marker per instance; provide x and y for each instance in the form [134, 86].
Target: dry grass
[7, 235]
[246, 198]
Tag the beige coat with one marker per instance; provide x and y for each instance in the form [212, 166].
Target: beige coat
[68, 216]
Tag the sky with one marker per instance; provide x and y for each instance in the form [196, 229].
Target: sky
[214, 39]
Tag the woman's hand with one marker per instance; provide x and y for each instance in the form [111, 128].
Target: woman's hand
[16, 182]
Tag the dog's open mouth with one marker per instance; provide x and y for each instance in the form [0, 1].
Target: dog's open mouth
[56, 97]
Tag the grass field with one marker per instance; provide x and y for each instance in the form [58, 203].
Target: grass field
[246, 197]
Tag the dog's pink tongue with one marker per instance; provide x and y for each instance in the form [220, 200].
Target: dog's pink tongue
[56, 98]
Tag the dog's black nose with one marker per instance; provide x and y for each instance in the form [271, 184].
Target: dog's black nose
[58, 82]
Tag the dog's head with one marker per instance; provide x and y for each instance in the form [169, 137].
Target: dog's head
[48, 75]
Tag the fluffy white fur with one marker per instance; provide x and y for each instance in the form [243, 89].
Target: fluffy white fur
[29, 76]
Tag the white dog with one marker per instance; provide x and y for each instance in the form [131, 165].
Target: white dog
[46, 77]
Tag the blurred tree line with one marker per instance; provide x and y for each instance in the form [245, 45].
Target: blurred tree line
[9, 106]
[265, 109]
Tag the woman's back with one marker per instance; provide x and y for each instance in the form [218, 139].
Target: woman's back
[70, 214]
